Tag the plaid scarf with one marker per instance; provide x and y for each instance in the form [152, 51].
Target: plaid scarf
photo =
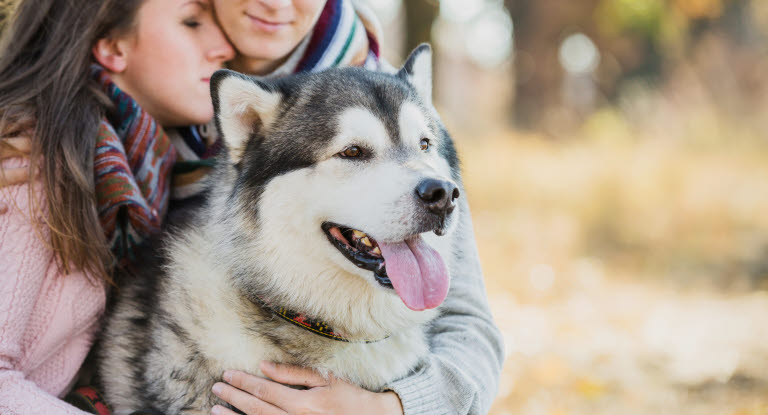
[344, 35]
[132, 169]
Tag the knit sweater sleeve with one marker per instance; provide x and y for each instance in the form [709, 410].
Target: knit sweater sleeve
[24, 264]
[461, 373]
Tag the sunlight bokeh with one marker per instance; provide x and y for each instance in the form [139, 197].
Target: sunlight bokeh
[615, 158]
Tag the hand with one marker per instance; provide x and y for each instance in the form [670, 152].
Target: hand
[258, 396]
[19, 147]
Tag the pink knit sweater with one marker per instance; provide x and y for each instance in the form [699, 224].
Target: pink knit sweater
[47, 319]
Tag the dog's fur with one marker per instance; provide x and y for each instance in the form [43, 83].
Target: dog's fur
[200, 309]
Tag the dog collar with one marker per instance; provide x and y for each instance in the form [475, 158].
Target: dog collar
[318, 327]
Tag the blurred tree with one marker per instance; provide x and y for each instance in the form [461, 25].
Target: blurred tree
[419, 15]
[635, 38]
[539, 28]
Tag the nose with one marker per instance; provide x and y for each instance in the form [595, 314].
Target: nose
[220, 50]
[438, 196]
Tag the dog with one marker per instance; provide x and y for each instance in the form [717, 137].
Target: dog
[324, 241]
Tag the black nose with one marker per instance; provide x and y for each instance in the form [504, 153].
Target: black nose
[439, 196]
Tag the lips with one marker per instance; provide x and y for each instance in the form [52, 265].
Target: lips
[267, 25]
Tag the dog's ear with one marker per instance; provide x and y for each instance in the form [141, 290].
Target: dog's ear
[417, 70]
[243, 106]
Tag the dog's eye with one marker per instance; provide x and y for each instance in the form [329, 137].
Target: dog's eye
[352, 152]
[425, 144]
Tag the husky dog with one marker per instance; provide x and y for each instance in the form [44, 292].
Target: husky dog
[323, 242]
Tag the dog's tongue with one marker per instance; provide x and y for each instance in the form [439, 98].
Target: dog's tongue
[417, 272]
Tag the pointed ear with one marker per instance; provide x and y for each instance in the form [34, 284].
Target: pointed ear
[242, 106]
[417, 70]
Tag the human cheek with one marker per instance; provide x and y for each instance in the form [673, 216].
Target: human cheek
[229, 16]
[309, 9]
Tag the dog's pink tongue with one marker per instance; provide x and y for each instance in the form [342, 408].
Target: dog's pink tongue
[417, 272]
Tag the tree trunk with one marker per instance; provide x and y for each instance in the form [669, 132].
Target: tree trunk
[419, 15]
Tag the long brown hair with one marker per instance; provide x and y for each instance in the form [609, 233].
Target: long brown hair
[47, 94]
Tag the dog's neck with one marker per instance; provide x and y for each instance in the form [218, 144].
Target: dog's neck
[316, 326]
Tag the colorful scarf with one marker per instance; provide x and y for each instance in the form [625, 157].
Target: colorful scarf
[132, 168]
[344, 35]
[332, 41]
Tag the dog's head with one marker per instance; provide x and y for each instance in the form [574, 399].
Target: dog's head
[347, 174]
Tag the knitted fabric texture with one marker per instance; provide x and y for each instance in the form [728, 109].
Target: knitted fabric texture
[132, 167]
[332, 36]
[47, 319]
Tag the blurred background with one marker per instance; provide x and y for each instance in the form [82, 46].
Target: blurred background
[616, 160]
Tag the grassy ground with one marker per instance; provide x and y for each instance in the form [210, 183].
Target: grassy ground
[628, 276]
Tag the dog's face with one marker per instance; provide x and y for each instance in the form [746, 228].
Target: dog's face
[345, 172]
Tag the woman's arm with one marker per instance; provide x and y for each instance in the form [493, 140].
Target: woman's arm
[24, 269]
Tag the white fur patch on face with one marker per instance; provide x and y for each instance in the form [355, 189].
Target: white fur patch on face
[359, 126]
[241, 103]
[413, 125]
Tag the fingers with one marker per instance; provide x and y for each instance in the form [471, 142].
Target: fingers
[21, 145]
[258, 394]
[244, 401]
[9, 177]
[293, 375]
[220, 410]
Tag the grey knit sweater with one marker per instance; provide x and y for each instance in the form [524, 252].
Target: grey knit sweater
[461, 373]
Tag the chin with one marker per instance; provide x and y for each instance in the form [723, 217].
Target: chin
[203, 115]
[191, 118]
[269, 49]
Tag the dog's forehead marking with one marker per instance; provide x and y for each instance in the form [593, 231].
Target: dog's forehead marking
[413, 125]
[359, 125]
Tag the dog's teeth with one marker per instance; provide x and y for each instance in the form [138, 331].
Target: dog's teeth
[366, 241]
[376, 251]
[358, 234]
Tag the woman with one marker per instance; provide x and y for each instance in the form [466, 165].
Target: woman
[277, 37]
[94, 101]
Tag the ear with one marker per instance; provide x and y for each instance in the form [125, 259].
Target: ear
[111, 54]
[417, 70]
[242, 106]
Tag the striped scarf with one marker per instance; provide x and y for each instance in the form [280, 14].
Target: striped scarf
[332, 41]
[344, 35]
[132, 169]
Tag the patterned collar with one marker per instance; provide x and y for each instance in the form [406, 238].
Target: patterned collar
[318, 327]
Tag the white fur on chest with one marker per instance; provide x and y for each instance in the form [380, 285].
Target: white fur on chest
[220, 327]
[373, 365]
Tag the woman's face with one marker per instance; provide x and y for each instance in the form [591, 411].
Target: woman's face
[266, 31]
[170, 55]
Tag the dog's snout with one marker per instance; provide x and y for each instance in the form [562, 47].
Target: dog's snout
[438, 196]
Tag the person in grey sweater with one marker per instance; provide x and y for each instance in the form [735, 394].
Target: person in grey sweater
[461, 373]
